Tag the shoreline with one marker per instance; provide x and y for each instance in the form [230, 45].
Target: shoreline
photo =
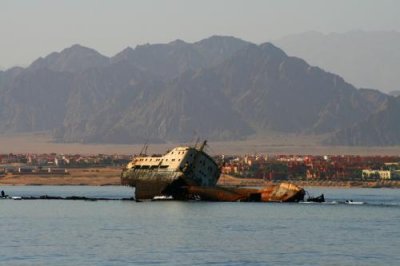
[111, 177]
[232, 181]
[107, 176]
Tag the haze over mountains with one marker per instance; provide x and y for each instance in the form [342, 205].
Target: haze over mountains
[366, 59]
[394, 93]
[220, 88]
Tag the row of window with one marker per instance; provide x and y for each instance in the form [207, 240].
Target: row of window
[157, 160]
[149, 160]
[150, 166]
[179, 152]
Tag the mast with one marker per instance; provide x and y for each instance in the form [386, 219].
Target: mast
[144, 149]
[203, 145]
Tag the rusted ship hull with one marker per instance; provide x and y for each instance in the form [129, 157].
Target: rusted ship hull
[148, 186]
[283, 192]
[186, 173]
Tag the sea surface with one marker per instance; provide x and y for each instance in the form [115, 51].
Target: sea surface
[59, 232]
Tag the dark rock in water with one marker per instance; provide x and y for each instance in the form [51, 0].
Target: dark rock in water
[46, 197]
[320, 198]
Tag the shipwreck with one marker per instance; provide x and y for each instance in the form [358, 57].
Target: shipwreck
[189, 173]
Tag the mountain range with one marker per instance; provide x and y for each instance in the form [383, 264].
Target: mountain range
[220, 88]
[381, 128]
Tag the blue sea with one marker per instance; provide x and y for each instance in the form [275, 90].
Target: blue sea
[59, 232]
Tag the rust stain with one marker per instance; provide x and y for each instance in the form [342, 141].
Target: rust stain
[283, 192]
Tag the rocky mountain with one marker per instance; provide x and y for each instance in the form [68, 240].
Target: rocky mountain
[281, 93]
[173, 59]
[379, 129]
[34, 100]
[100, 99]
[8, 76]
[394, 93]
[365, 59]
[221, 88]
[73, 59]
[257, 89]
[376, 101]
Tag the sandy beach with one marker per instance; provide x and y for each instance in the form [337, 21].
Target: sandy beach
[86, 176]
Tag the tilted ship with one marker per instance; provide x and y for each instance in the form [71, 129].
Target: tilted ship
[185, 173]
[172, 173]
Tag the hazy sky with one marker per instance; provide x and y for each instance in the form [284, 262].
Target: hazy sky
[30, 29]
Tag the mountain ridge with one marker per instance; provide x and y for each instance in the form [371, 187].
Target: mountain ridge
[380, 129]
[221, 88]
[72, 59]
[364, 58]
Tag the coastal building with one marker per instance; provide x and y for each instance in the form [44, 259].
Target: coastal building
[57, 171]
[381, 174]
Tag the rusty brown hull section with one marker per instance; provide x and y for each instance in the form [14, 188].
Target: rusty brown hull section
[284, 192]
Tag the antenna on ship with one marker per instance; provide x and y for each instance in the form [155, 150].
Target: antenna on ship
[144, 149]
[203, 145]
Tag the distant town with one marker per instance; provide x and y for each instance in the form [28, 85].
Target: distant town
[306, 167]
[56, 164]
[268, 168]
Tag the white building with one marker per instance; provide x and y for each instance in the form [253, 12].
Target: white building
[383, 174]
